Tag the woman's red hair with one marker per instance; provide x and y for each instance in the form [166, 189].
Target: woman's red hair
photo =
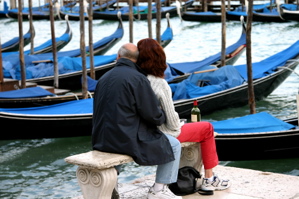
[152, 58]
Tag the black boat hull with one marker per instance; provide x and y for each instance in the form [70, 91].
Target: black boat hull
[258, 146]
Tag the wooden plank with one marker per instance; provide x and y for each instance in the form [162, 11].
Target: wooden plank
[205, 71]
[41, 61]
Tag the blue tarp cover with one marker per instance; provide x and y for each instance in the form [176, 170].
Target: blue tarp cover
[291, 7]
[269, 65]
[202, 13]
[228, 76]
[83, 106]
[25, 93]
[91, 84]
[254, 123]
[12, 67]
[221, 79]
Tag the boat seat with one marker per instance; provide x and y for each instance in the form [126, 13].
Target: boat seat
[97, 176]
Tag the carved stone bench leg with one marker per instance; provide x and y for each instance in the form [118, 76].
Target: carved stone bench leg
[96, 184]
[191, 156]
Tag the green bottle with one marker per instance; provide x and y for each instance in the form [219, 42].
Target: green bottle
[195, 112]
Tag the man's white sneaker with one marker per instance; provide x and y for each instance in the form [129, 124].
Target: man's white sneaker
[216, 184]
[165, 193]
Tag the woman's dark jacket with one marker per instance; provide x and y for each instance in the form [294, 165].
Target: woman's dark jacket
[126, 114]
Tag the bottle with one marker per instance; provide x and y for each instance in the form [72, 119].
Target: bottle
[195, 112]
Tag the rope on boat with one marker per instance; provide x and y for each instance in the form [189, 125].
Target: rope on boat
[73, 95]
[284, 67]
[89, 93]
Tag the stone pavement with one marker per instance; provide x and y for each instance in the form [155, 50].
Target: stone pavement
[246, 184]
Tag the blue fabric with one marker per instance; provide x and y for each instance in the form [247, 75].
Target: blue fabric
[25, 93]
[254, 123]
[266, 11]
[269, 65]
[83, 106]
[224, 78]
[12, 68]
[291, 7]
[237, 13]
[91, 84]
[202, 13]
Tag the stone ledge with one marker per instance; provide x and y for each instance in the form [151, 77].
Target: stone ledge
[246, 184]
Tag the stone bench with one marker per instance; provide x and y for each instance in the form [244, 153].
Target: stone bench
[97, 176]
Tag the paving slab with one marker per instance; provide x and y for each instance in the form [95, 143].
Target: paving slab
[246, 184]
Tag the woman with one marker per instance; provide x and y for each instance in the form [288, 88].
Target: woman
[152, 60]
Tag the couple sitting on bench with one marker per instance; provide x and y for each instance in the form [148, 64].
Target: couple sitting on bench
[133, 114]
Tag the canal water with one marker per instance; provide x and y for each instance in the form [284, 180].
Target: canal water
[36, 168]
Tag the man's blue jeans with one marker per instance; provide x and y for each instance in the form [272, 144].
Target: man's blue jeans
[168, 173]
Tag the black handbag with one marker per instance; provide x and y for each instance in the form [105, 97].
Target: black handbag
[186, 182]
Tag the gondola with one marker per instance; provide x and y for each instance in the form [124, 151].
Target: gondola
[74, 13]
[47, 46]
[167, 35]
[231, 88]
[70, 63]
[100, 47]
[14, 44]
[38, 13]
[289, 12]
[68, 119]
[234, 15]
[251, 137]
[267, 15]
[257, 136]
[208, 16]
[140, 12]
[176, 72]
[61, 41]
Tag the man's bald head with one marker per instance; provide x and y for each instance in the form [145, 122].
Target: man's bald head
[129, 51]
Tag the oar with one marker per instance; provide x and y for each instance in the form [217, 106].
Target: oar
[205, 71]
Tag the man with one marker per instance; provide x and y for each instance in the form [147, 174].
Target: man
[126, 114]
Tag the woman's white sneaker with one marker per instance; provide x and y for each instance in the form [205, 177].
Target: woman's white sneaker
[216, 184]
[164, 193]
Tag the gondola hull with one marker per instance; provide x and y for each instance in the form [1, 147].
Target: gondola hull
[69, 119]
[259, 146]
[74, 118]
[201, 16]
[265, 17]
[46, 127]
[289, 15]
